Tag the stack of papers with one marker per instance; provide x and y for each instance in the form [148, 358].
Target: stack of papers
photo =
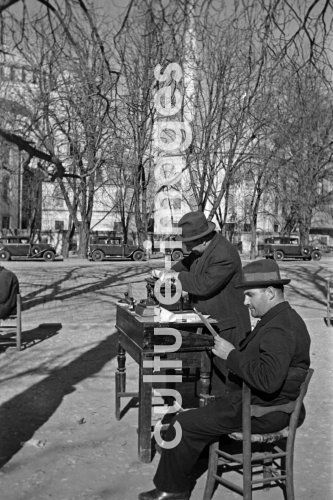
[166, 316]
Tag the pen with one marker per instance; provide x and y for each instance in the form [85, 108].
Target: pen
[206, 322]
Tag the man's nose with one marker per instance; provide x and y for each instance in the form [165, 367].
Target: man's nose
[246, 300]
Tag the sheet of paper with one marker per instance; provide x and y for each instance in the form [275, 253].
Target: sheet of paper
[171, 317]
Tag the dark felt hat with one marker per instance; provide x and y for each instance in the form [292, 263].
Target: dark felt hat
[194, 225]
[261, 273]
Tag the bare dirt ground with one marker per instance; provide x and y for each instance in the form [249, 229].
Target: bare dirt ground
[58, 435]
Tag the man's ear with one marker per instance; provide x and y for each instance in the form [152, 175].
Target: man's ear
[271, 292]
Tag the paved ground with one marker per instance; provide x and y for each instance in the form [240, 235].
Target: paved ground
[58, 436]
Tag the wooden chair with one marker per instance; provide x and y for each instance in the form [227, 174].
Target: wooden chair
[268, 455]
[11, 327]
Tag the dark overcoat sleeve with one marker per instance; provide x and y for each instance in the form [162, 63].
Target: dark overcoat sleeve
[9, 288]
[264, 363]
[184, 264]
[211, 277]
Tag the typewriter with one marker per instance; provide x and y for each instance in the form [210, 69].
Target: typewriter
[146, 306]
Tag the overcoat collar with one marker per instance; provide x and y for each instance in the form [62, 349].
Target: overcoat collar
[265, 319]
[211, 246]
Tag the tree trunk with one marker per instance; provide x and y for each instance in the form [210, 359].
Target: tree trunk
[67, 238]
[84, 234]
[253, 248]
[304, 227]
[254, 217]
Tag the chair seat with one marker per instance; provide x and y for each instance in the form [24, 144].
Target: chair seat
[11, 327]
[270, 437]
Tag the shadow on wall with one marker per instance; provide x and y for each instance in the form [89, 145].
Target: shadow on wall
[21, 416]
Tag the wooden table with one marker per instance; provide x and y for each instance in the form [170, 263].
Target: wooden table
[136, 337]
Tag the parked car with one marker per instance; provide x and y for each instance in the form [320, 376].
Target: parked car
[101, 247]
[283, 247]
[20, 246]
[174, 247]
[178, 251]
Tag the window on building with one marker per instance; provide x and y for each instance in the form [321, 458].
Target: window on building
[59, 225]
[12, 74]
[28, 76]
[58, 199]
[117, 227]
[6, 72]
[5, 188]
[5, 222]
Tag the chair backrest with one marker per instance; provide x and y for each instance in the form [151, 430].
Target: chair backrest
[293, 408]
[293, 422]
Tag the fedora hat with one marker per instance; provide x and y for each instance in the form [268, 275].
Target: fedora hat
[194, 225]
[261, 273]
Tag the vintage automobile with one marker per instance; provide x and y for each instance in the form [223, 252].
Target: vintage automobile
[178, 250]
[284, 247]
[101, 247]
[173, 246]
[21, 247]
[177, 253]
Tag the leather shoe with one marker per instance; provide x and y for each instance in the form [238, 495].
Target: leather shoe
[164, 495]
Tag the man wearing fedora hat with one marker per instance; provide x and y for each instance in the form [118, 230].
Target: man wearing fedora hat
[209, 274]
[273, 360]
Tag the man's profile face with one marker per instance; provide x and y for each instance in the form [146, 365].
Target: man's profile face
[256, 299]
[195, 246]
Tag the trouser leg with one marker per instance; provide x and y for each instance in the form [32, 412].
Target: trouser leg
[200, 427]
[218, 377]
[219, 367]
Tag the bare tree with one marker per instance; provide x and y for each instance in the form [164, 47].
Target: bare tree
[151, 34]
[71, 115]
[231, 82]
[304, 138]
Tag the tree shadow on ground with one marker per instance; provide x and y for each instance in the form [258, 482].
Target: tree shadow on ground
[21, 416]
[57, 291]
[313, 284]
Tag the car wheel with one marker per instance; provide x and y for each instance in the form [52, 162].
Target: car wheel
[316, 255]
[97, 255]
[306, 252]
[177, 255]
[278, 255]
[4, 255]
[137, 255]
[48, 255]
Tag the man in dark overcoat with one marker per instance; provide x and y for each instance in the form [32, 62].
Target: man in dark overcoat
[209, 275]
[9, 288]
[273, 360]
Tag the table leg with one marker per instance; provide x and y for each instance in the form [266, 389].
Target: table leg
[120, 377]
[205, 371]
[144, 421]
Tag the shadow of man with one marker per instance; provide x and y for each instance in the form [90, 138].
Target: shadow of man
[22, 415]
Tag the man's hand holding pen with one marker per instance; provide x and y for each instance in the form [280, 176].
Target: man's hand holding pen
[222, 347]
[164, 274]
